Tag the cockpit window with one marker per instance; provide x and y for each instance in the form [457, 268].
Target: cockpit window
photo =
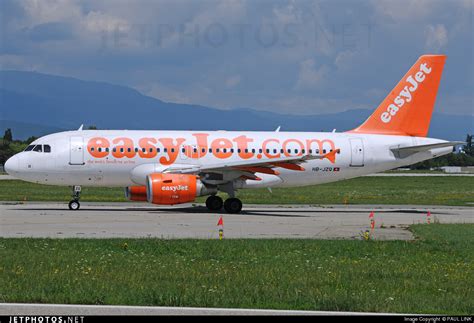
[47, 148]
[38, 148]
[29, 148]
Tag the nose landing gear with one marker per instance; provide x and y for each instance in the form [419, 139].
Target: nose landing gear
[76, 195]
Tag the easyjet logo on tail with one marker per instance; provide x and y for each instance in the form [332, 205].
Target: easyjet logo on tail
[406, 94]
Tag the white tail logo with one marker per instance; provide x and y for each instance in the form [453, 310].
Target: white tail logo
[406, 94]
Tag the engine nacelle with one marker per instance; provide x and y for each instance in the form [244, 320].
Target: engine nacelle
[173, 189]
[136, 193]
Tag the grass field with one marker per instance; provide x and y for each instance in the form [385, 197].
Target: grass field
[433, 274]
[456, 190]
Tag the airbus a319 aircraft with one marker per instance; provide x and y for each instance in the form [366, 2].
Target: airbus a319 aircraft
[174, 167]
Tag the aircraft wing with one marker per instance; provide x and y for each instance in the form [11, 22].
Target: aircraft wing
[254, 166]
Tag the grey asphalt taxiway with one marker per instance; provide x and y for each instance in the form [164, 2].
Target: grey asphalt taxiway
[135, 220]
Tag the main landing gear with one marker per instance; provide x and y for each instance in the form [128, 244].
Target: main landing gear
[76, 195]
[231, 205]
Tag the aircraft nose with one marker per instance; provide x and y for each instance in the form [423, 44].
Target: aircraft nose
[12, 165]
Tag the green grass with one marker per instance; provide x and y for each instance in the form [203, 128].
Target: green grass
[433, 274]
[456, 190]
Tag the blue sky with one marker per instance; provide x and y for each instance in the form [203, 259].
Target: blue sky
[297, 57]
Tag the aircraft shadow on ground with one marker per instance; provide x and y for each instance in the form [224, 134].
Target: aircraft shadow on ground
[283, 212]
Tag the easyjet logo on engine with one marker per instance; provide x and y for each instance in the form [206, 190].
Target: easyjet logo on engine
[406, 94]
[175, 188]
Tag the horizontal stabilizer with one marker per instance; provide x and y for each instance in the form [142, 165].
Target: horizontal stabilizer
[403, 152]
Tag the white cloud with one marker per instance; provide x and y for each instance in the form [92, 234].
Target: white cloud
[233, 81]
[404, 10]
[436, 37]
[310, 76]
[97, 22]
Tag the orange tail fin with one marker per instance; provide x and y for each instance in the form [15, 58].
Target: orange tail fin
[407, 109]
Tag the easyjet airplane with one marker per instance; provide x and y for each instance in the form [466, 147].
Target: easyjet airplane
[174, 167]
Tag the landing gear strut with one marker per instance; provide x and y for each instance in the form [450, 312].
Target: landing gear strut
[76, 195]
[214, 203]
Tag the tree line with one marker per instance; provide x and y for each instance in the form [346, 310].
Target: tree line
[463, 157]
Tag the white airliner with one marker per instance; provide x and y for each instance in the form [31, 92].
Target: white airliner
[174, 167]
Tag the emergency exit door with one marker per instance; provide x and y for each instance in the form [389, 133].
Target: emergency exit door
[357, 152]
[76, 152]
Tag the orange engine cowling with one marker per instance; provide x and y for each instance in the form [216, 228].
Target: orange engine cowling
[172, 188]
[136, 193]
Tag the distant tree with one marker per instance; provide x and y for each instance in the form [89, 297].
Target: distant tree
[92, 127]
[5, 151]
[30, 139]
[8, 136]
[468, 147]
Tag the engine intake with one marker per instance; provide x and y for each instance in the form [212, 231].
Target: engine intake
[170, 189]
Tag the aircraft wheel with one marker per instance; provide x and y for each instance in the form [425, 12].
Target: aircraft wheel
[74, 205]
[233, 205]
[214, 203]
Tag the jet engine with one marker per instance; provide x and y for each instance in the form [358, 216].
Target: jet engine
[173, 189]
[136, 193]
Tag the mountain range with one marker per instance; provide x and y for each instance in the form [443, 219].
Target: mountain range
[36, 104]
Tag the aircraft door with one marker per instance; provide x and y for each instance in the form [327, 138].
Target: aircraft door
[76, 152]
[357, 152]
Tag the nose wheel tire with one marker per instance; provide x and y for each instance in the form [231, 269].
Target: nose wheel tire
[233, 205]
[214, 203]
[74, 205]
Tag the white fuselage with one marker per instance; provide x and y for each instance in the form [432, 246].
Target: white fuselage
[125, 157]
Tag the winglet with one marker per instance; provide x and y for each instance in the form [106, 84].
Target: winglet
[80, 128]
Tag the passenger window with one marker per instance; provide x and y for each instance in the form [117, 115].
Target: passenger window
[38, 148]
[30, 147]
[47, 148]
